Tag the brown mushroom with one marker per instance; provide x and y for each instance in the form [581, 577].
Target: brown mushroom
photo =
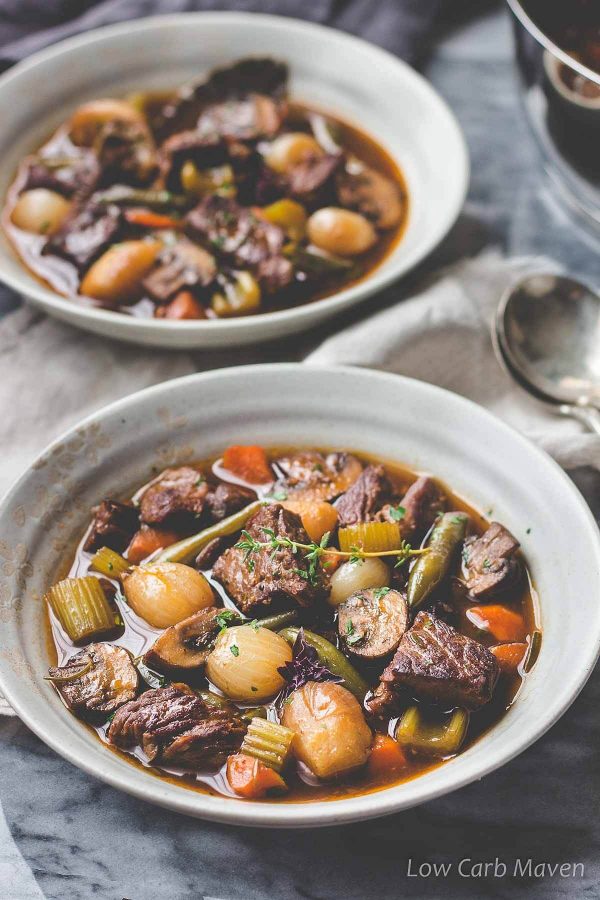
[185, 646]
[96, 681]
[372, 622]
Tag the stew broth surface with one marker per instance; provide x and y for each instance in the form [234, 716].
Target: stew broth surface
[137, 636]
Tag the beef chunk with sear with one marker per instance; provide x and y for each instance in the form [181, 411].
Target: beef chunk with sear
[78, 176]
[268, 579]
[86, 233]
[96, 681]
[310, 179]
[490, 562]
[113, 526]
[176, 499]
[310, 475]
[173, 725]
[243, 119]
[367, 495]
[227, 499]
[436, 663]
[417, 510]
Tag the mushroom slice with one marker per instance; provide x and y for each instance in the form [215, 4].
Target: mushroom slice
[372, 622]
[96, 681]
[186, 645]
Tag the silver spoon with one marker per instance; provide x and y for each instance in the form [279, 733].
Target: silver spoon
[547, 336]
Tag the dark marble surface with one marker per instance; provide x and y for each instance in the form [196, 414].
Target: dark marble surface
[81, 839]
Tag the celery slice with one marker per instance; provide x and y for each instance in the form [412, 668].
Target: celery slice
[109, 563]
[81, 607]
[372, 537]
[268, 742]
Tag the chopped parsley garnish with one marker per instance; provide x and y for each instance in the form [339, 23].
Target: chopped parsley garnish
[378, 593]
[224, 618]
[487, 564]
[235, 649]
[278, 495]
[397, 513]
[351, 636]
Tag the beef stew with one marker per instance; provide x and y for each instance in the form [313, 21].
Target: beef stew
[217, 200]
[258, 646]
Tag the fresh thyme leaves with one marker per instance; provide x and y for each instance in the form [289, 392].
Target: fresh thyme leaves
[397, 513]
[456, 520]
[277, 495]
[487, 564]
[378, 593]
[313, 552]
[254, 624]
[235, 649]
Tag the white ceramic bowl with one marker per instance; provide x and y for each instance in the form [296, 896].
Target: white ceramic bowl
[330, 69]
[428, 428]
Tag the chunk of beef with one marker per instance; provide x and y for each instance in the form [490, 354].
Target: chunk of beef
[180, 267]
[175, 727]
[275, 273]
[437, 663]
[247, 77]
[235, 231]
[86, 233]
[364, 498]
[126, 154]
[245, 119]
[270, 580]
[176, 499]
[310, 475]
[113, 526]
[80, 176]
[421, 504]
[310, 179]
[490, 563]
[372, 194]
[206, 151]
[227, 499]
[100, 679]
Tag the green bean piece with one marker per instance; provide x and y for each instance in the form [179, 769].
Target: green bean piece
[431, 568]
[533, 651]
[184, 551]
[282, 620]
[253, 712]
[212, 699]
[81, 607]
[333, 659]
[441, 736]
[121, 194]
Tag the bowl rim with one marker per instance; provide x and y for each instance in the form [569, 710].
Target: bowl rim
[542, 38]
[318, 813]
[377, 280]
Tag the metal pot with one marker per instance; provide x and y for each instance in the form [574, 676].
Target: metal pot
[557, 48]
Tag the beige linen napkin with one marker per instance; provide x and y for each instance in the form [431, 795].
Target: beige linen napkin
[51, 375]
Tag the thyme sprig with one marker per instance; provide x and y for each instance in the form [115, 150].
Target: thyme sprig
[314, 552]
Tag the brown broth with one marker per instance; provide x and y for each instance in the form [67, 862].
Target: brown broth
[138, 636]
[61, 276]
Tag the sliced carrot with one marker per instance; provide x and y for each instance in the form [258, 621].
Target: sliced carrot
[317, 516]
[386, 756]
[248, 463]
[183, 306]
[148, 219]
[504, 623]
[147, 541]
[330, 562]
[250, 778]
[509, 656]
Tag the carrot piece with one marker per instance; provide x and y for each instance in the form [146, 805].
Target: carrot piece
[248, 463]
[330, 562]
[147, 541]
[317, 516]
[386, 756]
[509, 656]
[183, 306]
[251, 778]
[502, 622]
[148, 219]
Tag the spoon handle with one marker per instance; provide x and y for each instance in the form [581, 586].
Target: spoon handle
[588, 415]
